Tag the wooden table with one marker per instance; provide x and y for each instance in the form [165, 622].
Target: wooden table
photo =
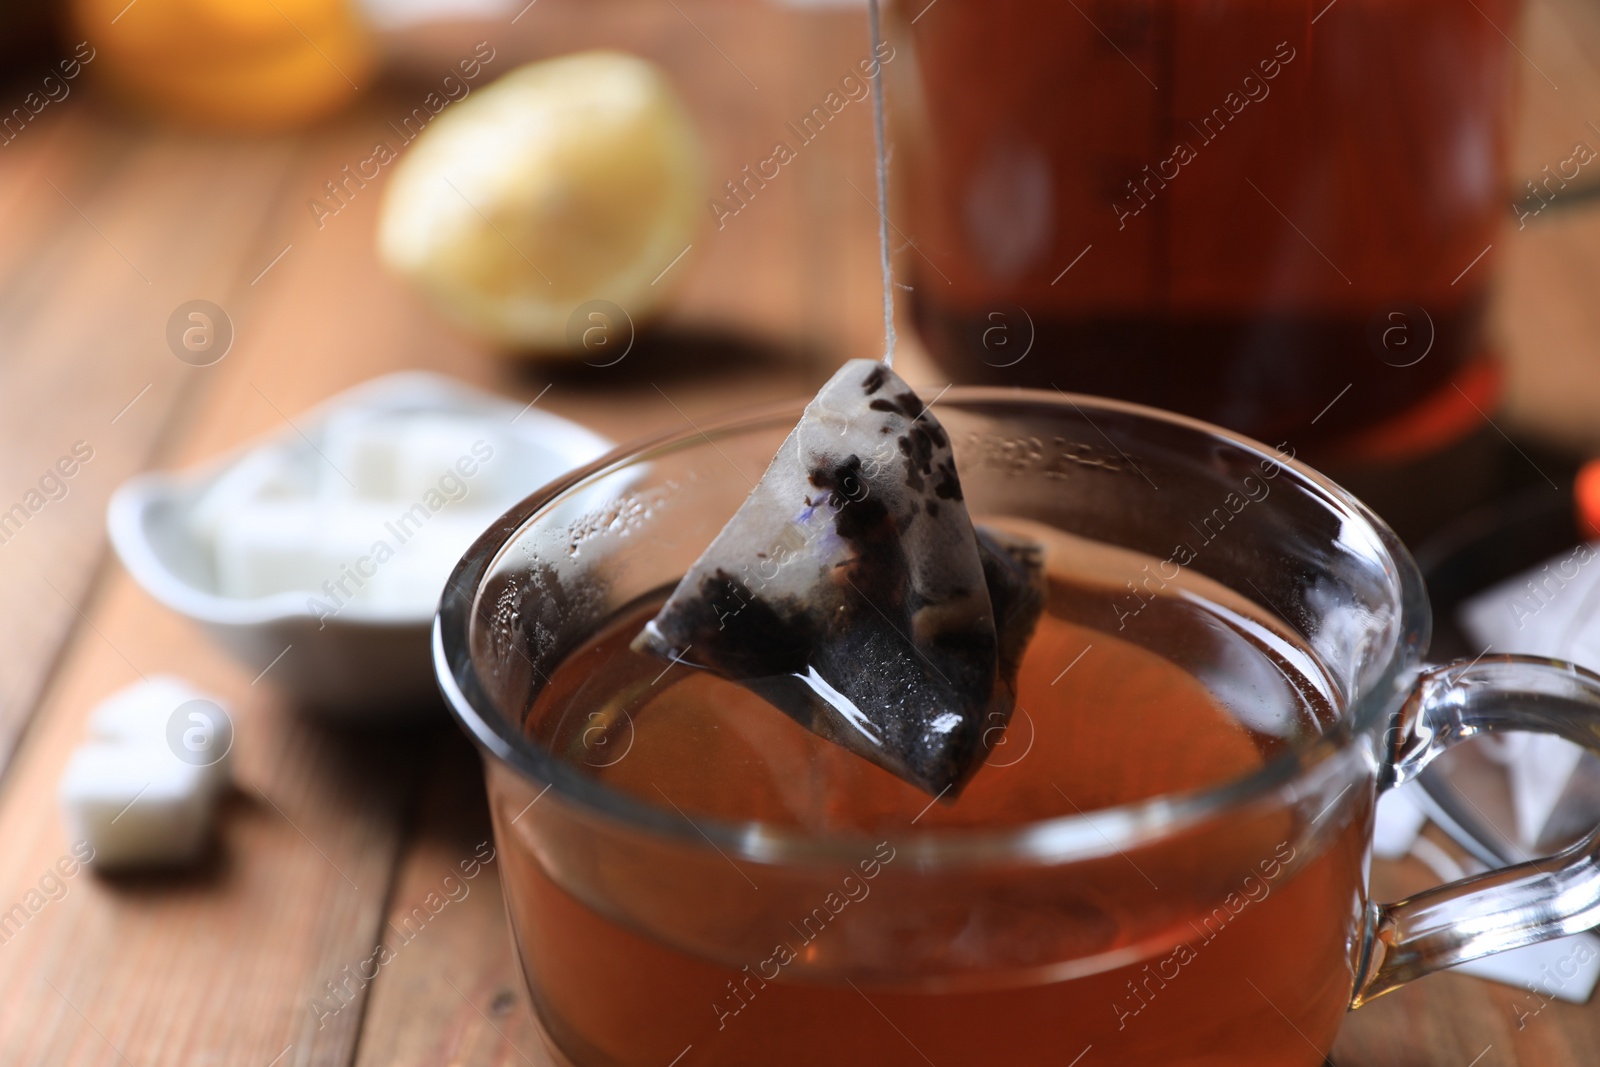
[109, 224]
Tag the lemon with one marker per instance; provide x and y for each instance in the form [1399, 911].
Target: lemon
[235, 64]
[566, 181]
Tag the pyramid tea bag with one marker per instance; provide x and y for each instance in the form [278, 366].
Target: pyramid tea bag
[852, 591]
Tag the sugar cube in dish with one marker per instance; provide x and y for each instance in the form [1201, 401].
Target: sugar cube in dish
[405, 457]
[397, 498]
[364, 446]
[268, 547]
[265, 473]
[443, 452]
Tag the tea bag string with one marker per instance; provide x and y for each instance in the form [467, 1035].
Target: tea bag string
[882, 161]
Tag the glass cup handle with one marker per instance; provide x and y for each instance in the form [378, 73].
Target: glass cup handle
[1500, 909]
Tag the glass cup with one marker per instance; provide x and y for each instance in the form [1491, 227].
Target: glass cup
[1229, 925]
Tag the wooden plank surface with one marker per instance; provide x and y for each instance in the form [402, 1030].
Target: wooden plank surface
[107, 231]
[452, 992]
[336, 837]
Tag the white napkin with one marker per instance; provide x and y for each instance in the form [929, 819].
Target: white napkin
[1400, 819]
[1551, 610]
[1565, 969]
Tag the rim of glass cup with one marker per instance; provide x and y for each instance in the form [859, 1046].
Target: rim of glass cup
[1067, 838]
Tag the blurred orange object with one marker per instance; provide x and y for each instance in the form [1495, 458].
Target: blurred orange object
[1587, 496]
[237, 64]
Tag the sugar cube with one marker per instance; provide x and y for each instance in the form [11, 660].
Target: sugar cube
[166, 708]
[438, 452]
[364, 447]
[293, 545]
[265, 473]
[135, 803]
[142, 789]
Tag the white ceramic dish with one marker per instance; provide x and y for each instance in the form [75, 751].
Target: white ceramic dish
[369, 659]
